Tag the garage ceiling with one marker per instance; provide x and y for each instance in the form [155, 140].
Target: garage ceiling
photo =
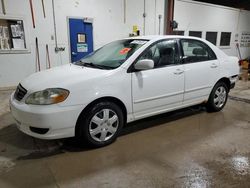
[241, 4]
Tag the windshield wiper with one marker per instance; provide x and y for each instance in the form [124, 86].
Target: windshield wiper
[95, 65]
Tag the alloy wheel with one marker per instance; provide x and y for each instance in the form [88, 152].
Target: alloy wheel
[220, 96]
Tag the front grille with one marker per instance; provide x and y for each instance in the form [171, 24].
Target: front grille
[20, 92]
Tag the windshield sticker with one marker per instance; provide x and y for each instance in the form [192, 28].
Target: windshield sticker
[124, 51]
[141, 42]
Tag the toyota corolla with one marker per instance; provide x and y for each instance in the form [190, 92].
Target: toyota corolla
[121, 82]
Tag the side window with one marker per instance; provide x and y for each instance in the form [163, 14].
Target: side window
[196, 51]
[163, 53]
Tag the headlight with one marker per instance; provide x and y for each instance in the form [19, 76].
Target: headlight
[47, 96]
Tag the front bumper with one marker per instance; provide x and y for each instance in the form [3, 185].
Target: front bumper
[58, 121]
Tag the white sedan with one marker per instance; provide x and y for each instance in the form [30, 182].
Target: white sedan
[121, 82]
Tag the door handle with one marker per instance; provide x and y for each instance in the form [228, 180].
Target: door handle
[178, 71]
[74, 53]
[214, 65]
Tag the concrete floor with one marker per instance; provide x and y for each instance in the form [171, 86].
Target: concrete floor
[185, 148]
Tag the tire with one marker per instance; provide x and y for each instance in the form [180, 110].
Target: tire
[101, 124]
[218, 97]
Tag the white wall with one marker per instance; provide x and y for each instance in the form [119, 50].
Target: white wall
[196, 16]
[108, 25]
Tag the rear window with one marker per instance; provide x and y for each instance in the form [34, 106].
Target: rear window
[196, 51]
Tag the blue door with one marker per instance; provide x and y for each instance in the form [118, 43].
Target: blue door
[81, 38]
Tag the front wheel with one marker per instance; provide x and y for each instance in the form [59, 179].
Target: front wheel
[101, 125]
[218, 97]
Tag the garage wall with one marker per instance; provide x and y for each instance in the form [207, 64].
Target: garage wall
[108, 25]
[196, 16]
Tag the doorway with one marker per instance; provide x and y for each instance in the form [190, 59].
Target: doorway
[81, 37]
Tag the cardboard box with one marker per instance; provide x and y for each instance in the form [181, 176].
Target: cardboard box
[244, 75]
[245, 65]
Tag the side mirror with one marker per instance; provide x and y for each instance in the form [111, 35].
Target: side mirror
[144, 64]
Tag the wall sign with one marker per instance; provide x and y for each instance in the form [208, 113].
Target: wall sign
[88, 20]
[245, 39]
[82, 47]
[81, 38]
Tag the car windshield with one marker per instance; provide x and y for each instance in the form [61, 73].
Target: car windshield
[112, 55]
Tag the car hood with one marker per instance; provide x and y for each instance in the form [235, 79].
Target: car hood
[61, 77]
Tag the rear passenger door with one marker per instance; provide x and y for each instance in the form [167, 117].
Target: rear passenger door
[201, 70]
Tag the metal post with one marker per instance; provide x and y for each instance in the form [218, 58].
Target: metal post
[3, 7]
[54, 19]
[144, 17]
[170, 16]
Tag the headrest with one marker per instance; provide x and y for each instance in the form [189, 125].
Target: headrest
[166, 51]
[149, 54]
[199, 51]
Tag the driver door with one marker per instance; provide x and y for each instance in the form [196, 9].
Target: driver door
[162, 88]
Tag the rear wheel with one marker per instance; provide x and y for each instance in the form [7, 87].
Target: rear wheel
[218, 97]
[101, 125]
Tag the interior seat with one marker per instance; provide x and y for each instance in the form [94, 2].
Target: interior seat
[200, 54]
[166, 57]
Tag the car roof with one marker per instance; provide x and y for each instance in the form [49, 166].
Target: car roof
[159, 37]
